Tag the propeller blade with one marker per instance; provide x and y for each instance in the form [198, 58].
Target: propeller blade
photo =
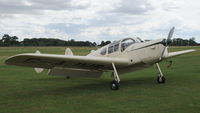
[171, 32]
[167, 42]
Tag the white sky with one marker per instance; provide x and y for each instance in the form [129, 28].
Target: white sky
[97, 20]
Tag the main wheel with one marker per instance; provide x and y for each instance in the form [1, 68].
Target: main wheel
[161, 79]
[114, 85]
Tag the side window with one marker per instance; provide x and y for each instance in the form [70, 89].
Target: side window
[116, 47]
[110, 49]
[113, 47]
[103, 51]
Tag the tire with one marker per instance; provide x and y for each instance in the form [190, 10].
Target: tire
[161, 79]
[114, 85]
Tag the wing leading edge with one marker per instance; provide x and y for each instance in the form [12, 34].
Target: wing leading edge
[49, 61]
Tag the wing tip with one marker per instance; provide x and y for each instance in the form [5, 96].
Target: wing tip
[9, 60]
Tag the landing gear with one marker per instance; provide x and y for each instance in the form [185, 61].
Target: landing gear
[114, 85]
[160, 78]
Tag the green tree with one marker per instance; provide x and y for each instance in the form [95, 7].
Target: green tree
[1, 43]
[192, 41]
[103, 43]
[10, 40]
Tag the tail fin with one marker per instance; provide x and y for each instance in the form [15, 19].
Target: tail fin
[68, 51]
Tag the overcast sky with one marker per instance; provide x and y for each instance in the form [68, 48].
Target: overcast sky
[97, 20]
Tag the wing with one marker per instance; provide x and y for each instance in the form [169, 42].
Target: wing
[173, 54]
[49, 61]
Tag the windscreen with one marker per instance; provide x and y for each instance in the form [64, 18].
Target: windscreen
[126, 43]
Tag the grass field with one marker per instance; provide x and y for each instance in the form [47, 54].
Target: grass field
[24, 91]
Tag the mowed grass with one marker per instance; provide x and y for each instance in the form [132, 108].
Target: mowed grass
[24, 91]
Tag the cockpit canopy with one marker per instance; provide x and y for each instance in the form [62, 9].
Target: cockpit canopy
[120, 45]
[126, 43]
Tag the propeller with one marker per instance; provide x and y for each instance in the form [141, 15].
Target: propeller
[171, 32]
[167, 41]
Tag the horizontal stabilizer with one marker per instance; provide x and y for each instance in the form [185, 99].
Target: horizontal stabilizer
[173, 54]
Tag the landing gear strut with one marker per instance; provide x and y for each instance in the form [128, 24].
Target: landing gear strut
[114, 85]
[160, 78]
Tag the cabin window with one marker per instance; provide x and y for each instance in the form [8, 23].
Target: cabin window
[126, 43]
[103, 51]
[113, 47]
[139, 39]
[110, 49]
[116, 47]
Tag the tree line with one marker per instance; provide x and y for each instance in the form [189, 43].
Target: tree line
[184, 42]
[8, 40]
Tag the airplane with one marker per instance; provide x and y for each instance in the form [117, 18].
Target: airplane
[119, 57]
